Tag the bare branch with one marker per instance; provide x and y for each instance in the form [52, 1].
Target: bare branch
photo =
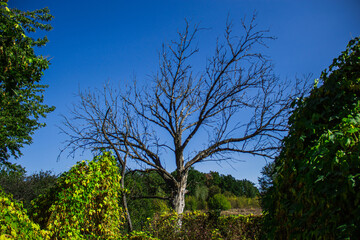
[237, 100]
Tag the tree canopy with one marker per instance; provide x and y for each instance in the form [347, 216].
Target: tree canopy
[21, 95]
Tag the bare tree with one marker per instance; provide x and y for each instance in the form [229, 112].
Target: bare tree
[237, 105]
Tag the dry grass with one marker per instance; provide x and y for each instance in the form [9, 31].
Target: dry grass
[242, 211]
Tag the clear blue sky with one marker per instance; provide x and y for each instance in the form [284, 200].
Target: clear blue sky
[112, 40]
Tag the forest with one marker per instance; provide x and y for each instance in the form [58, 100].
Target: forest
[310, 132]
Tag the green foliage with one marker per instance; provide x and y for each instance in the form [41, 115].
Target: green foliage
[191, 203]
[141, 185]
[316, 186]
[243, 202]
[213, 190]
[228, 183]
[197, 201]
[21, 95]
[266, 179]
[12, 178]
[25, 188]
[195, 179]
[84, 203]
[219, 202]
[14, 222]
[240, 227]
[140, 235]
[202, 226]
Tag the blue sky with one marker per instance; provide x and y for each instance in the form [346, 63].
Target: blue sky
[112, 40]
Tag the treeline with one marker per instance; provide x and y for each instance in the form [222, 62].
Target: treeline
[24, 187]
[147, 191]
[211, 191]
[84, 203]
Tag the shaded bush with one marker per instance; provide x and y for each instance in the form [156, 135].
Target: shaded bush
[240, 227]
[316, 182]
[213, 190]
[142, 186]
[202, 226]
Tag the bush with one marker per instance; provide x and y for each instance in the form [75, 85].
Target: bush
[202, 226]
[316, 186]
[219, 202]
[139, 235]
[191, 203]
[14, 222]
[240, 227]
[244, 202]
[84, 203]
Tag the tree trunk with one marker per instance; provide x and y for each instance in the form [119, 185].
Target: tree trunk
[127, 214]
[124, 199]
[179, 196]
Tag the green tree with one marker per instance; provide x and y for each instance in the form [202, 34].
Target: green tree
[21, 95]
[147, 194]
[266, 179]
[219, 202]
[13, 180]
[195, 179]
[213, 190]
[248, 188]
[316, 186]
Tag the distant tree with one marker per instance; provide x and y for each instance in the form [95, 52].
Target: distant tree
[214, 179]
[249, 189]
[12, 180]
[191, 203]
[147, 194]
[266, 179]
[182, 105]
[316, 187]
[213, 190]
[23, 187]
[219, 202]
[228, 183]
[21, 95]
[195, 180]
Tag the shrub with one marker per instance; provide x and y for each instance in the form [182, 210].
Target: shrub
[14, 222]
[219, 202]
[202, 226]
[84, 203]
[139, 235]
[244, 202]
[240, 227]
[316, 186]
[191, 203]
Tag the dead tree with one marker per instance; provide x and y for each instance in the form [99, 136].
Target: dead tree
[237, 105]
